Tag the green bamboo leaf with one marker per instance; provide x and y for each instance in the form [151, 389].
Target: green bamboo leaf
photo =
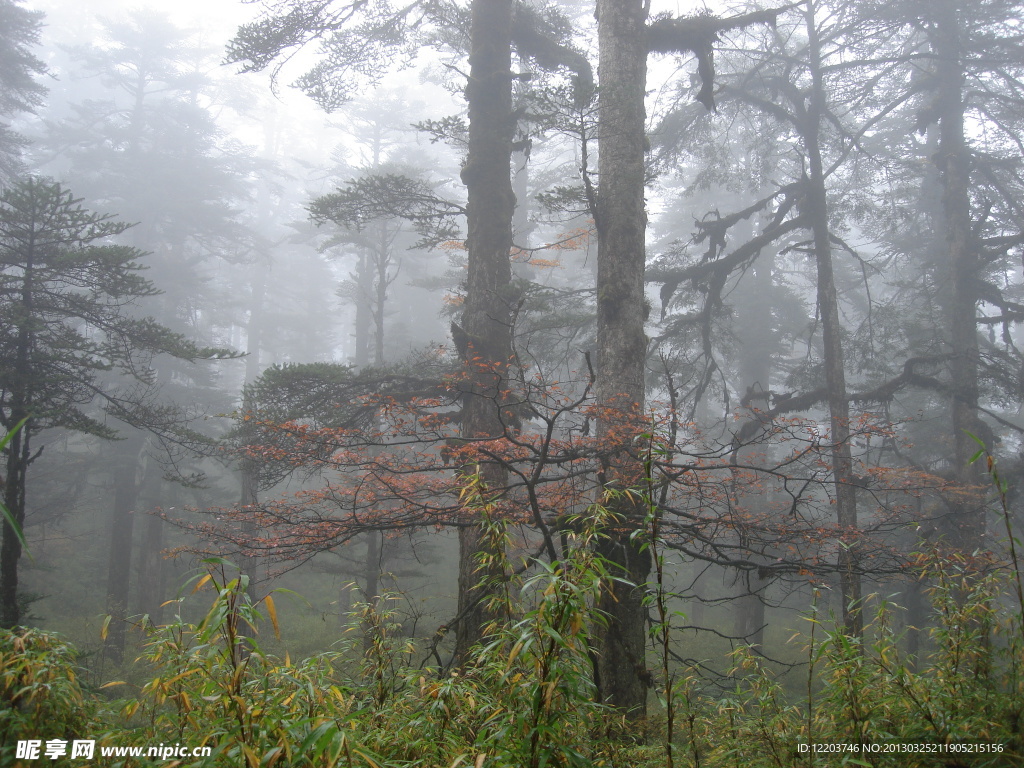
[976, 439]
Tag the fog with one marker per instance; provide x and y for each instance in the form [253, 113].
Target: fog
[745, 319]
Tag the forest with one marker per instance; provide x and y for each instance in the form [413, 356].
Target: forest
[512, 383]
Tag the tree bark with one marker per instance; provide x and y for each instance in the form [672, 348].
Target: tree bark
[622, 345]
[966, 525]
[748, 606]
[487, 315]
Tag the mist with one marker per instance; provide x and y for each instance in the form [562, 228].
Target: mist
[673, 348]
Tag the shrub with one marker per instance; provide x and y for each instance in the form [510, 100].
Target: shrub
[40, 694]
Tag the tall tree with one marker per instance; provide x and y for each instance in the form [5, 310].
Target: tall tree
[487, 316]
[19, 67]
[484, 338]
[622, 345]
[625, 39]
[961, 70]
[964, 258]
[816, 208]
[149, 147]
[791, 89]
[65, 295]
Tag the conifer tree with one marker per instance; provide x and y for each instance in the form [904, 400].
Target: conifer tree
[19, 91]
[66, 311]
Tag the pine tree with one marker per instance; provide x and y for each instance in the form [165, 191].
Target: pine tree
[66, 299]
[19, 91]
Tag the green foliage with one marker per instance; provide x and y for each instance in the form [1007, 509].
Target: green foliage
[40, 693]
[539, 667]
[869, 696]
[214, 685]
[385, 195]
[66, 319]
[65, 294]
[526, 699]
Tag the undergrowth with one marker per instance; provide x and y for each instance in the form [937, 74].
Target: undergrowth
[527, 700]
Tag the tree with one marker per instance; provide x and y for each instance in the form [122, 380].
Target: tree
[787, 87]
[487, 315]
[816, 208]
[149, 147]
[625, 38]
[65, 298]
[965, 258]
[484, 339]
[622, 345]
[947, 66]
[385, 201]
[19, 91]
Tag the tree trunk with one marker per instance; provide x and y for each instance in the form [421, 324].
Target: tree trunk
[151, 569]
[750, 498]
[14, 500]
[18, 449]
[754, 318]
[371, 581]
[487, 315]
[364, 307]
[382, 260]
[622, 345]
[122, 526]
[522, 227]
[247, 467]
[966, 525]
[816, 201]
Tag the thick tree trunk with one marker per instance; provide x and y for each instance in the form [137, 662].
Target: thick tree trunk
[622, 345]
[18, 449]
[18, 457]
[816, 202]
[248, 563]
[248, 467]
[522, 226]
[487, 315]
[966, 525]
[929, 250]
